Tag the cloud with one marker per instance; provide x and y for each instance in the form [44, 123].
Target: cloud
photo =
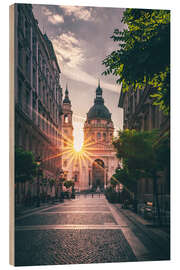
[81, 13]
[82, 76]
[53, 18]
[68, 50]
[71, 56]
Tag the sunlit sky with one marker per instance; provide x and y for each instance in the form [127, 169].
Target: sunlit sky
[81, 40]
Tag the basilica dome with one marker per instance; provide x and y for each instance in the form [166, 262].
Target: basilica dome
[99, 110]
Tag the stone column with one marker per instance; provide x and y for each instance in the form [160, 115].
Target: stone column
[90, 175]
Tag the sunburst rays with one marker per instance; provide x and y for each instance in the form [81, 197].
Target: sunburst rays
[75, 154]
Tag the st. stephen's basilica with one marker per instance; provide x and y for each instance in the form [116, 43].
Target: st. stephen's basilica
[94, 165]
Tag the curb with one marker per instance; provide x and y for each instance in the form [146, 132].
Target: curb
[139, 221]
[34, 209]
[135, 216]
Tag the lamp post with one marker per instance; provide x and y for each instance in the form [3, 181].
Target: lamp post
[61, 179]
[73, 189]
[39, 172]
[89, 178]
[58, 171]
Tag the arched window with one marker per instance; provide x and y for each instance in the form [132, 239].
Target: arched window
[98, 136]
[104, 136]
[66, 120]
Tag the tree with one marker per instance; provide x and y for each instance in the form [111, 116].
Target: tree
[25, 165]
[52, 182]
[143, 57]
[135, 147]
[127, 178]
[144, 154]
[25, 169]
[68, 184]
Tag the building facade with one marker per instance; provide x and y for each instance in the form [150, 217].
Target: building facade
[92, 167]
[38, 94]
[99, 158]
[67, 138]
[139, 113]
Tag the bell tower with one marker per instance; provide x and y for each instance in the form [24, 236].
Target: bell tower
[67, 118]
[67, 134]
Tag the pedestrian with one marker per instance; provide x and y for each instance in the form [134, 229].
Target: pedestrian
[92, 194]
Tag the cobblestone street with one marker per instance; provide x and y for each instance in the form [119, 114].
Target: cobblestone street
[85, 230]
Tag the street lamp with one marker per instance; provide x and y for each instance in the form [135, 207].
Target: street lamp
[58, 171]
[73, 189]
[61, 179]
[39, 173]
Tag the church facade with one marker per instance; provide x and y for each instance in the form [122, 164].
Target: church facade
[93, 166]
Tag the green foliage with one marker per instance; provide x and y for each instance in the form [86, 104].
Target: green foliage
[143, 154]
[68, 184]
[113, 182]
[25, 165]
[143, 57]
[51, 182]
[127, 178]
[135, 147]
[111, 195]
[162, 150]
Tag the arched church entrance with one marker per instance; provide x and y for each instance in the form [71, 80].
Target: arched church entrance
[98, 175]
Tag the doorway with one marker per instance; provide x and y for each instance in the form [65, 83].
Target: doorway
[98, 175]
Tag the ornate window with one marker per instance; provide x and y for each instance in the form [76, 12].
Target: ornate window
[66, 119]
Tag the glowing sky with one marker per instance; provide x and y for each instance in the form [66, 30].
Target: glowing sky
[81, 40]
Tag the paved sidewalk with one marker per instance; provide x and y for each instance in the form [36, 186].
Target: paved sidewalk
[139, 219]
[158, 235]
[23, 210]
[85, 230]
